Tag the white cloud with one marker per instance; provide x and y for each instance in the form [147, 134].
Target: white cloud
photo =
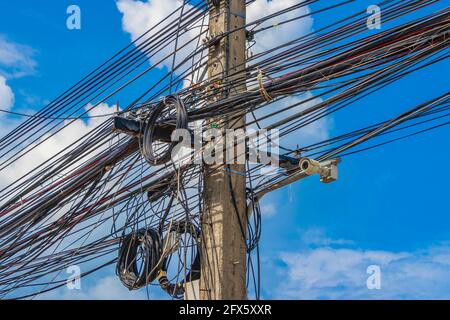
[140, 16]
[54, 145]
[317, 237]
[110, 288]
[31, 102]
[268, 209]
[279, 35]
[341, 273]
[308, 134]
[104, 288]
[16, 60]
[6, 95]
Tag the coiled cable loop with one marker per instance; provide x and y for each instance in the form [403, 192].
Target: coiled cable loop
[142, 247]
[177, 290]
[163, 114]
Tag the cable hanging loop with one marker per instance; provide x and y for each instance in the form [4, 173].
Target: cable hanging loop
[148, 151]
[172, 241]
[130, 274]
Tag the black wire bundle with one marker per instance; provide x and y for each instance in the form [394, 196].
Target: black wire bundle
[149, 243]
[177, 290]
[151, 122]
[51, 217]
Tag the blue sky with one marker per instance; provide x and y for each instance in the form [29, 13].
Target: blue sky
[390, 206]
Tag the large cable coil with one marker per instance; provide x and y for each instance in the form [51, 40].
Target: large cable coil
[170, 109]
[143, 247]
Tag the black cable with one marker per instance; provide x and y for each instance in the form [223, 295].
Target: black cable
[127, 265]
[178, 229]
[148, 151]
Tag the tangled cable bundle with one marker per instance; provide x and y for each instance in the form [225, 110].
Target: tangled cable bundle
[149, 242]
[177, 290]
[102, 178]
[144, 247]
[161, 115]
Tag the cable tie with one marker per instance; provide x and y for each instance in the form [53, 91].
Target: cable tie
[264, 94]
[161, 274]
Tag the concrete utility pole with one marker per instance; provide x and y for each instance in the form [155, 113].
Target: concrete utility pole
[223, 269]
